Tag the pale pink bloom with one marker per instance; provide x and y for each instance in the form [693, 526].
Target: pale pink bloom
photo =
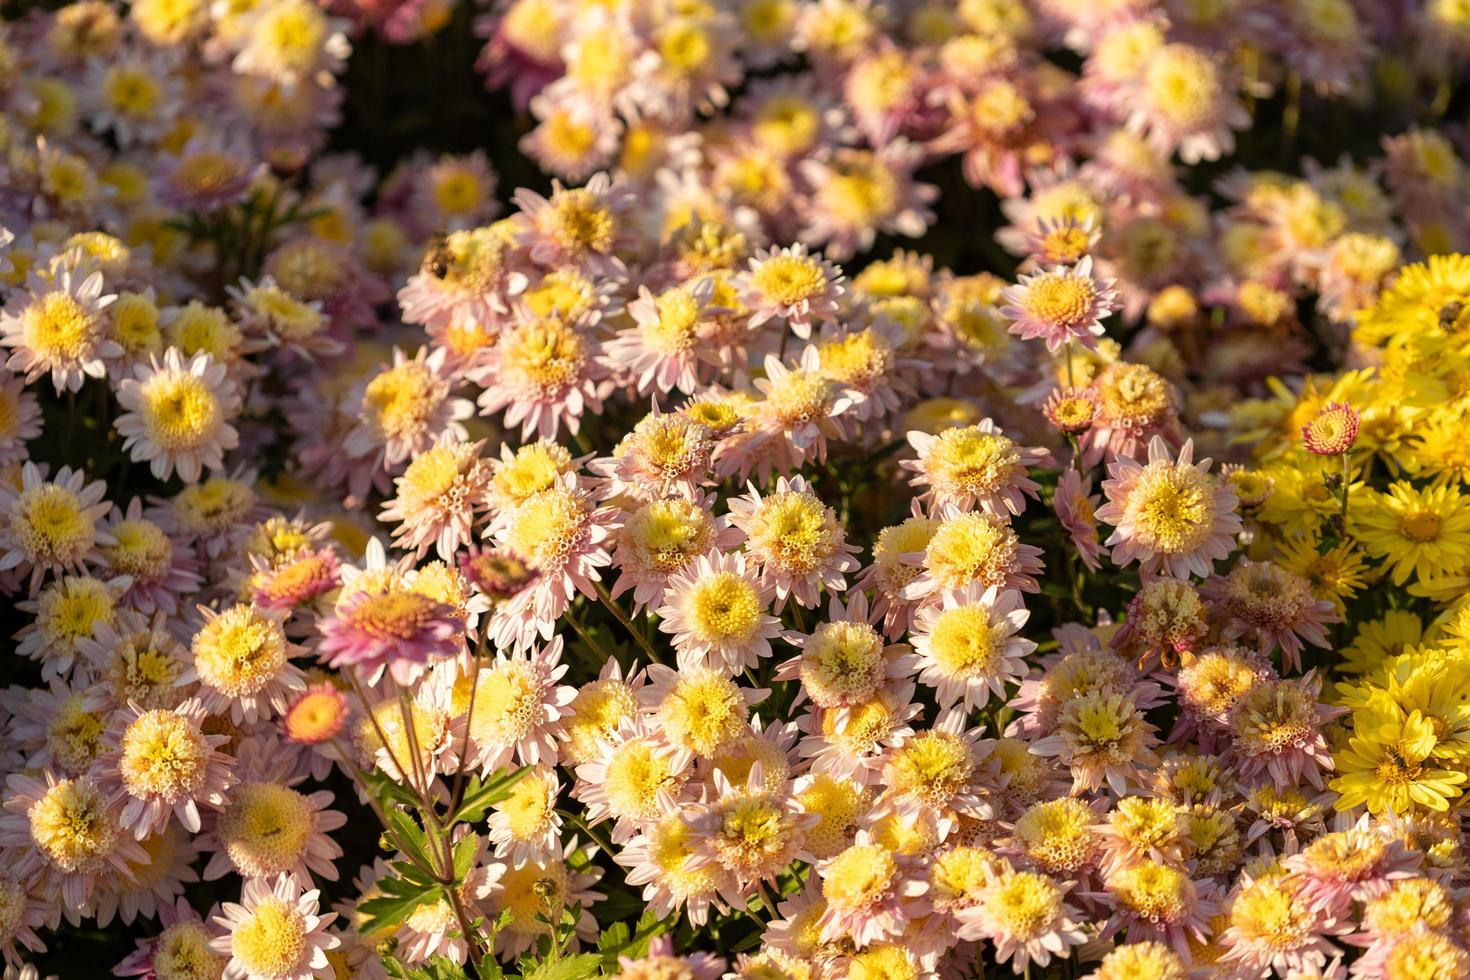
[859, 193]
[51, 526]
[510, 835]
[1355, 861]
[241, 660]
[21, 415]
[152, 884]
[1059, 305]
[177, 414]
[666, 345]
[1076, 507]
[968, 648]
[664, 455]
[715, 611]
[210, 173]
[1103, 738]
[661, 538]
[1158, 902]
[1277, 608]
[163, 764]
[466, 280]
[891, 897]
[1048, 927]
[57, 327]
[790, 426]
[843, 661]
[1276, 731]
[439, 497]
[656, 858]
[971, 547]
[973, 465]
[1169, 515]
[160, 571]
[1297, 946]
[523, 709]
[404, 408]
[853, 741]
[722, 825]
[583, 226]
[37, 811]
[292, 910]
[268, 828]
[543, 374]
[795, 541]
[793, 285]
[1183, 102]
[182, 927]
[526, 891]
[609, 786]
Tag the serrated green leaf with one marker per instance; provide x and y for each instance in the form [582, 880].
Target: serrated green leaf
[568, 968]
[410, 836]
[480, 795]
[439, 968]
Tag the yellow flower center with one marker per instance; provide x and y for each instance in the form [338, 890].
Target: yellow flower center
[703, 712]
[858, 876]
[1060, 299]
[182, 953]
[544, 529]
[842, 661]
[527, 808]
[1159, 893]
[271, 942]
[724, 606]
[598, 711]
[794, 531]
[1172, 507]
[668, 533]
[507, 703]
[965, 643]
[74, 735]
[971, 548]
[315, 717]
[635, 774]
[401, 398]
[180, 410]
[1420, 526]
[266, 828]
[73, 825]
[1183, 85]
[547, 354]
[50, 525]
[163, 754]
[240, 652]
[1026, 903]
[933, 765]
[789, 279]
[57, 327]
[206, 172]
[580, 222]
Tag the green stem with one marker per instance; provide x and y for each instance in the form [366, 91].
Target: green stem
[622, 617]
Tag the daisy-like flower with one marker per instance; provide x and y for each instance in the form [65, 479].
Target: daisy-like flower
[1076, 507]
[207, 175]
[663, 349]
[275, 932]
[398, 630]
[136, 660]
[844, 661]
[1276, 730]
[1356, 862]
[1272, 927]
[1158, 902]
[1181, 103]
[1418, 532]
[241, 660]
[543, 373]
[561, 536]
[159, 569]
[752, 831]
[316, 715]
[637, 777]
[942, 771]
[1276, 607]
[794, 541]
[64, 614]
[973, 465]
[181, 948]
[518, 707]
[533, 893]
[1025, 915]
[663, 456]
[67, 831]
[870, 893]
[968, 649]
[284, 320]
[971, 547]
[58, 327]
[20, 420]
[405, 408]
[439, 496]
[791, 284]
[661, 539]
[1165, 620]
[1060, 304]
[715, 611]
[581, 226]
[52, 526]
[267, 828]
[697, 709]
[165, 765]
[1103, 738]
[801, 410]
[659, 859]
[525, 826]
[1170, 515]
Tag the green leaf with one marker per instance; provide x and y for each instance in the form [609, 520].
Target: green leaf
[568, 968]
[397, 902]
[410, 836]
[464, 857]
[480, 795]
[388, 791]
[439, 968]
[620, 940]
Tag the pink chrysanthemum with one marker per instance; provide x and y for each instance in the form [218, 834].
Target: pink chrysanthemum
[163, 764]
[398, 630]
[1060, 304]
[275, 932]
[795, 541]
[52, 526]
[1169, 515]
[58, 327]
[973, 465]
[968, 649]
[715, 611]
[543, 373]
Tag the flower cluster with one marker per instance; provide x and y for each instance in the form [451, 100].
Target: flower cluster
[654, 573]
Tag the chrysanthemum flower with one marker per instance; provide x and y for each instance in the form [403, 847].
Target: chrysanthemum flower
[1390, 766]
[973, 465]
[971, 548]
[1169, 515]
[284, 320]
[637, 777]
[136, 660]
[844, 661]
[967, 648]
[1104, 739]
[663, 349]
[20, 420]
[1418, 532]
[1159, 902]
[1076, 507]
[1059, 836]
[52, 525]
[890, 572]
[1025, 915]
[661, 539]
[166, 765]
[715, 611]
[59, 328]
[439, 496]
[941, 770]
[1333, 431]
[405, 408]
[795, 541]
[395, 629]
[1273, 927]
[316, 715]
[159, 570]
[1134, 404]
[698, 709]
[1060, 304]
[67, 831]
[65, 614]
[525, 826]
[792, 284]
[544, 374]
[517, 708]
[1276, 728]
[582, 226]
[1182, 103]
[1276, 607]
[659, 859]
[870, 893]
[752, 831]
[275, 932]
[533, 892]
[241, 659]
[268, 829]
[662, 456]
[206, 175]
[1166, 619]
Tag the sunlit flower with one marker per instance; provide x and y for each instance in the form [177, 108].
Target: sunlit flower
[275, 932]
[52, 526]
